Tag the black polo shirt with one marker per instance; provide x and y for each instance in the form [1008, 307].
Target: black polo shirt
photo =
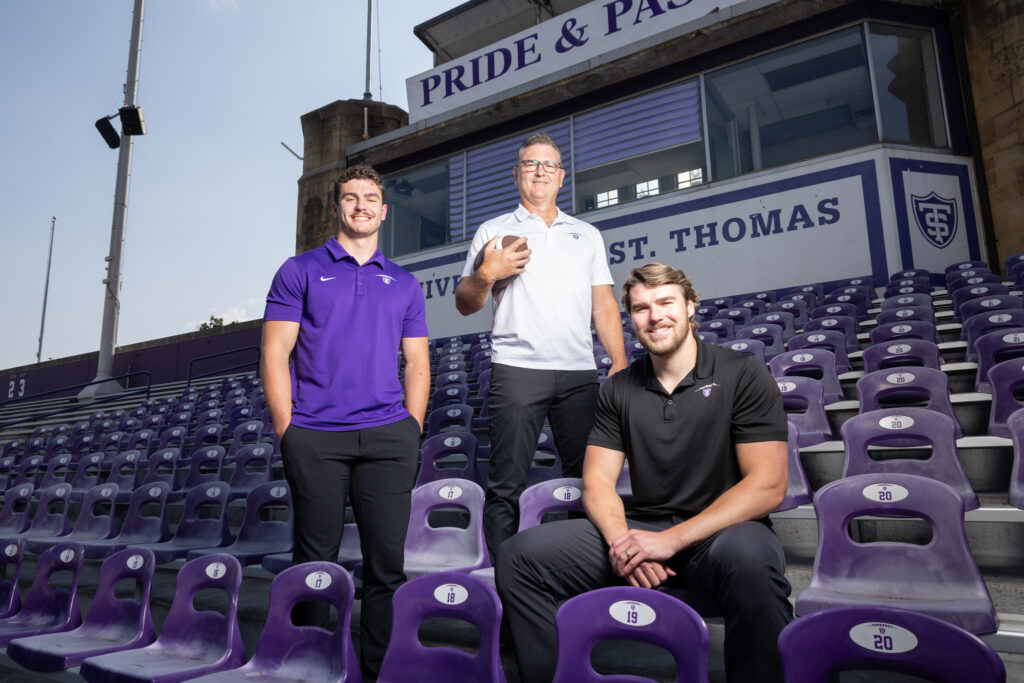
[681, 445]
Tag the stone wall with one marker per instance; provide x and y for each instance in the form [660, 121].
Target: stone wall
[327, 133]
[994, 44]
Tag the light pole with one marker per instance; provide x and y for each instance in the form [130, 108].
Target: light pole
[112, 282]
[46, 291]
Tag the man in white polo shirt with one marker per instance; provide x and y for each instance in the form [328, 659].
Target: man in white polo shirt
[545, 296]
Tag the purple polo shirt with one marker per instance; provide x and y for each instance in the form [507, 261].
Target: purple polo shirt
[352, 320]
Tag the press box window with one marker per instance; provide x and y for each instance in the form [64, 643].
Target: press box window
[418, 209]
[638, 148]
[799, 102]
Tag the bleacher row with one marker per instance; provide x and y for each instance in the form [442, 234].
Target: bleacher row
[172, 455]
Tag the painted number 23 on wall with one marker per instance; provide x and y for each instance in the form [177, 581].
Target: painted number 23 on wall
[16, 388]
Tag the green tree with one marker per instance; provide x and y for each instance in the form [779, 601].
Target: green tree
[213, 324]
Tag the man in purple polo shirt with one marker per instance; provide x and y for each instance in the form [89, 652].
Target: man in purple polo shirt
[341, 313]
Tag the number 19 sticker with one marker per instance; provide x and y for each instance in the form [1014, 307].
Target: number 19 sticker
[632, 613]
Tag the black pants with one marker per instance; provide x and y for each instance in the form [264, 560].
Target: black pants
[742, 567]
[519, 399]
[375, 468]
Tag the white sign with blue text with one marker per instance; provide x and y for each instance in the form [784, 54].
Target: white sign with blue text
[569, 39]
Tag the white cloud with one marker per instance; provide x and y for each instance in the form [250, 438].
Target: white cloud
[252, 309]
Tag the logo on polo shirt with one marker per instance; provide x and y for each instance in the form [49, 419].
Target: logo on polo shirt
[325, 279]
[706, 389]
[386, 278]
[575, 235]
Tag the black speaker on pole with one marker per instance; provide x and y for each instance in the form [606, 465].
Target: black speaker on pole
[106, 129]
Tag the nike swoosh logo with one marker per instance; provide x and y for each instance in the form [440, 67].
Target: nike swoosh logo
[325, 279]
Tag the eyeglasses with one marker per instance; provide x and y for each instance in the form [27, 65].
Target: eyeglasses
[530, 165]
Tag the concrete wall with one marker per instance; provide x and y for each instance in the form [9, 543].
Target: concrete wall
[327, 133]
[994, 45]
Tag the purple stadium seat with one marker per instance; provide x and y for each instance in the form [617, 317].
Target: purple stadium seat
[798, 490]
[253, 467]
[1015, 424]
[124, 470]
[163, 466]
[846, 324]
[456, 417]
[245, 433]
[112, 623]
[755, 347]
[144, 522]
[192, 643]
[914, 426]
[722, 302]
[833, 340]
[974, 292]
[978, 278]
[996, 347]
[634, 614]
[740, 316]
[816, 363]
[858, 296]
[95, 521]
[28, 471]
[902, 353]
[940, 578]
[262, 531]
[909, 299]
[1000, 302]
[286, 652]
[805, 409]
[428, 549]
[56, 472]
[707, 337]
[910, 329]
[174, 436]
[768, 297]
[450, 394]
[756, 306]
[809, 294]
[904, 313]
[46, 609]
[769, 334]
[896, 387]
[722, 328]
[914, 285]
[1006, 380]
[782, 318]
[553, 495]
[819, 646]
[450, 377]
[14, 515]
[205, 468]
[197, 530]
[964, 265]
[981, 324]
[832, 309]
[797, 307]
[207, 436]
[1012, 261]
[910, 272]
[859, 281]
[458, 449]
[51, 516]
[448, 595]
[12, 552]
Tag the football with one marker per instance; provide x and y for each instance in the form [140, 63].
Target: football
[506, 241]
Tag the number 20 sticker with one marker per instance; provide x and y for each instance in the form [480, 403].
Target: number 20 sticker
[884, 638]
[885, 493]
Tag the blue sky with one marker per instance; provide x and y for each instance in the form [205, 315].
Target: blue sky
[212, 202]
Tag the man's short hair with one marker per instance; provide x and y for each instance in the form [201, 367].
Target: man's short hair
[656, 274]
[539, 139]
[358, 173]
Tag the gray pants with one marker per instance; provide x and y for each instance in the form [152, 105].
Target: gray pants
[519, 399]
[742, 567]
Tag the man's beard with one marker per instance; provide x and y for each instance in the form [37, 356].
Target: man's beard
[668, 345]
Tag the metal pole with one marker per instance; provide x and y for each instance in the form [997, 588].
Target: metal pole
[367, 95]
[46, 291]
[112, 283]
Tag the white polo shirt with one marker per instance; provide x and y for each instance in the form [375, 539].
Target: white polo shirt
[542, 316]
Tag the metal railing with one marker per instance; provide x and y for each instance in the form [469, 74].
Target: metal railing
[218, 371]
[78, 405]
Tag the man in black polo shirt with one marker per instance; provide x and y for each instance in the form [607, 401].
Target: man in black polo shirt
[705, 435]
